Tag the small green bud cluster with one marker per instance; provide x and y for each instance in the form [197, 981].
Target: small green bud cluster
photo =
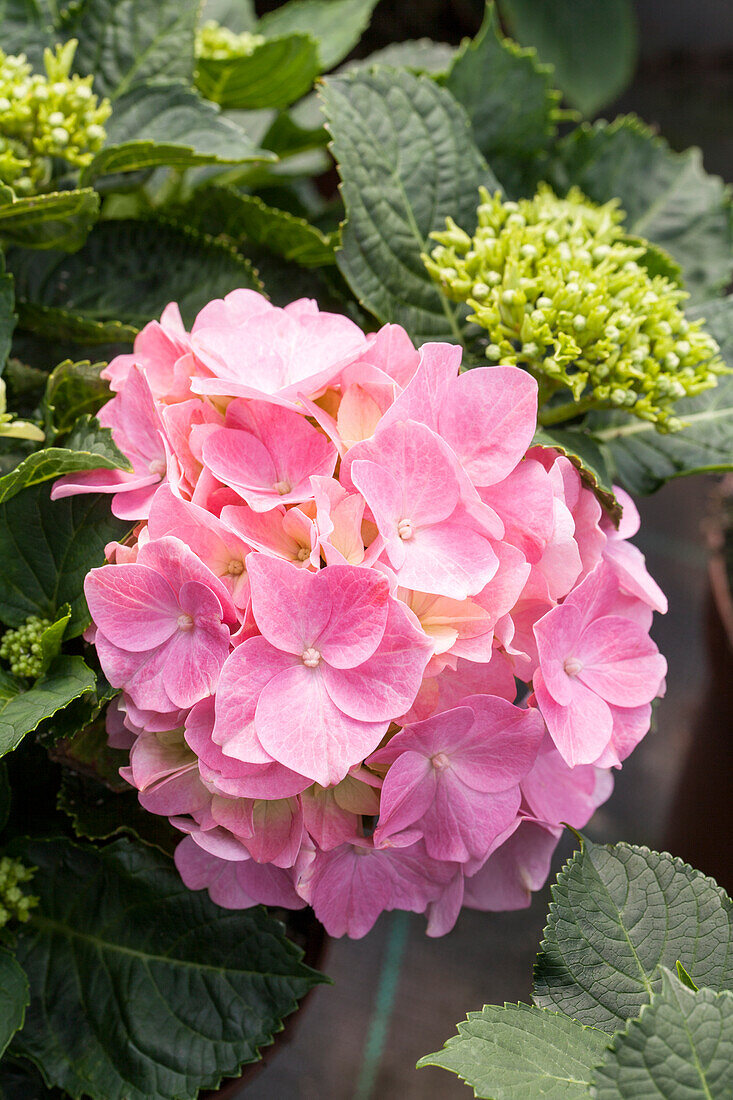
[563, 294]
[217, 43]
[22, 648]
[46, 117]
[14, 904]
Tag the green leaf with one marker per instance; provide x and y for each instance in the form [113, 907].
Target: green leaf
[7, 312]
[21, 1081]
[680, 1047]
[170, 124]
[52, 637]
[238, 15]
[407, 161]
[337, 25]
[656, 260]
[508, 97]
[47, 548]
[73, 390]
[58, 220]
[618, 912]
[668, 197]
[5, 797]
[89, 448]
[14, 997]
[419, 55]
[684, 977]
[98, 813]
[275, 74]
[587, 457]
[27, 26]
[522, 1053]
[645, 458]
[241, 218]
[592, 47]
[123, 43]
[21, 711]
[140, 988]
[127, 272]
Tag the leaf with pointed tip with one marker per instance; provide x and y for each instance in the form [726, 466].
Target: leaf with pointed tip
[126, 273]
[89, 447]
[123, 43]
[47, 548]
[668, 197]
[508, 96]
[140, 988]
[58, 220]
[592, 47]
[680, 1047]
[52, 637]
[618, 912]
[336, 25]
[407, 160]
[246, 218]
[14, 997]
[73, 390]
[22, 710]
[274, 74]
[155, 124]
[522, 1053]
[645, 458]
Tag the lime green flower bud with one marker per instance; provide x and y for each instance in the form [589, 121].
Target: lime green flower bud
[218, 43]
[14, 903]
[22, 649]
[564, 295]
[46, 117]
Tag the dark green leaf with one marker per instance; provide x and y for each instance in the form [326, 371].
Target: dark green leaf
[667, 196]
[618, 912]
[89, 447]
[7, 312]
[223, 210]
[127, 42]
[238, 15]
[170, 124]
[19, 1080]
[52, 637]
[14, 997]
[98, 813]
[645, 458]
[337, 25]
[275, 74]
[508, 97]
[47, 548]
[591, 46]
[407, 161]
[58, 220]
[522, 1053]
[28, 26]
[21, 711]
[128, 271]
[73, 390]
[587, 457]
[681, 1047]
[140, 988]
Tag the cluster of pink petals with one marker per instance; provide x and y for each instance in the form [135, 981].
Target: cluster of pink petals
[346, 556]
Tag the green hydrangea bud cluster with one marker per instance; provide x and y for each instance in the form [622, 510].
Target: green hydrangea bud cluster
[217, 43]
[43, 117]
[14, 904]
[22, 648]
[563, 294]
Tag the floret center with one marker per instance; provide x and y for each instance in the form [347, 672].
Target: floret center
[311, 657]
[572, 666]
[440, 761]
[282, 487]
[185, 621]
[404, 529]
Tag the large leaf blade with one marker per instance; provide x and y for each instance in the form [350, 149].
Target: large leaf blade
[91, 448]
[151, 990]
[336, 25]
[680, 1047]
[407, 161]
[61, 219]
[522, 1053]
[47, 548]
[274, 74]
[618, 912]
[22, 710]
[14, 997]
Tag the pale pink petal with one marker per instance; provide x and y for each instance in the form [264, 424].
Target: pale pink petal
[520, 866]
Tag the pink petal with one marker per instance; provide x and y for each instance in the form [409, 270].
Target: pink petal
[518, 867]
[582, 728]
[133, 605]
[620, 662]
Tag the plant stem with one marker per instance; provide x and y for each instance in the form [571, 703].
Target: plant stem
[567, 411]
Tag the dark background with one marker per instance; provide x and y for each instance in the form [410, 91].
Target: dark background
[396, 993]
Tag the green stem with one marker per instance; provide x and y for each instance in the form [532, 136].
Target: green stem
[568, 411]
